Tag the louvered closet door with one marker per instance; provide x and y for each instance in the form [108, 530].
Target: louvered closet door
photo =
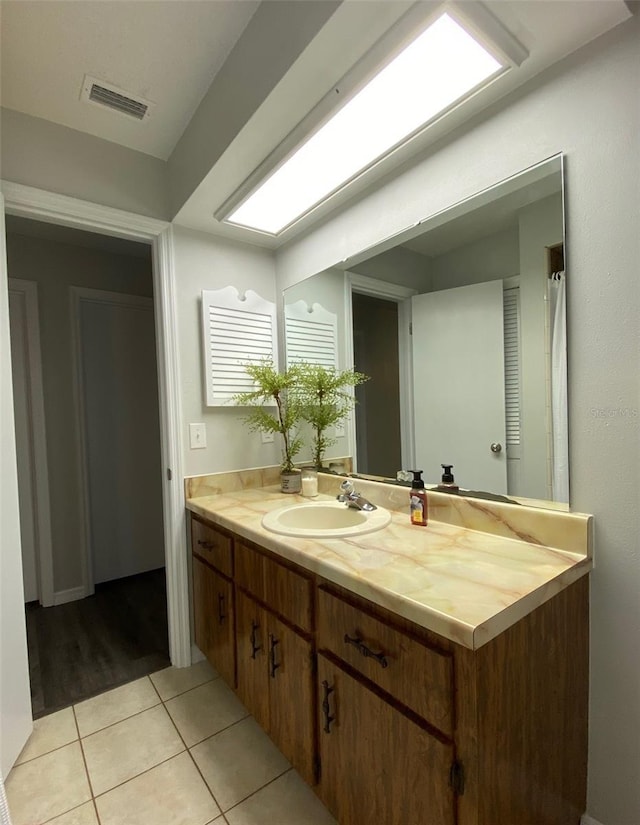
[459, 390]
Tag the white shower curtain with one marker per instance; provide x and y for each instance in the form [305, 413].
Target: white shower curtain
[557, 296]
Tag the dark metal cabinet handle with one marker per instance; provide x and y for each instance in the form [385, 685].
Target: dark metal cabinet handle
[272, 655]
[221, 613]
[208, 545]
[361, 647]
[255, 647]
[326, 708]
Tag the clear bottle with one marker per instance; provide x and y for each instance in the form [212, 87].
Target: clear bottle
[418, 500]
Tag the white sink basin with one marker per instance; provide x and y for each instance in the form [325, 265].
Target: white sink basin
[324, 519]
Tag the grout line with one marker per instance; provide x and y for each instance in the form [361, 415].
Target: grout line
[195, 764]
[142, 773]
[124, 719]
[84, 758]
[253, 793]
[64, 813]
[46, 753]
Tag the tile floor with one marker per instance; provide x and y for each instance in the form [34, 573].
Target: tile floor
[173, 748]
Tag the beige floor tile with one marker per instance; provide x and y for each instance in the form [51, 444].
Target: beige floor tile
[115, 705]
[171, 794]
[287, 801]
[205, 710]
[61, 782]
[49, 733]
[84, 815]
[238, 761]
[172, 681]
[124, 750]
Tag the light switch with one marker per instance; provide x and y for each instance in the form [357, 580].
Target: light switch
[267, 437]
[339, 430]
[197, 436]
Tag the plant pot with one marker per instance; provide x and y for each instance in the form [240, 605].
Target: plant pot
[291, 482]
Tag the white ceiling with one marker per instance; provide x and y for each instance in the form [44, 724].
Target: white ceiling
[170, 52]
[166, 52]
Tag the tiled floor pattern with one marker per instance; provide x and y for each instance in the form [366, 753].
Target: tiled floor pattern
[173, 748]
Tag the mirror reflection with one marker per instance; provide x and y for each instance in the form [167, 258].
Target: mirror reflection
[461, 324]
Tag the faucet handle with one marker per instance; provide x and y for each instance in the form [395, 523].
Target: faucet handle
[347, 486]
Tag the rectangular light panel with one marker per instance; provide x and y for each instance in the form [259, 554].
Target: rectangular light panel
[439, 67]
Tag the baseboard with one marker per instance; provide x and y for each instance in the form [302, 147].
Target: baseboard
[72, 595]
[198, 656]
[589, 820]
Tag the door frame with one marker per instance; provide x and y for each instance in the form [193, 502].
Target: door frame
[29, 202]
[38, 438]
[401, 295]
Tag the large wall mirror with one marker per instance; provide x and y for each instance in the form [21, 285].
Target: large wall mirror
[460, 323]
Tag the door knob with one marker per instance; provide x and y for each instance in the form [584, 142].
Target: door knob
[496, 448]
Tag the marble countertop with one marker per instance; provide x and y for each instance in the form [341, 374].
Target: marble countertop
[468, 585]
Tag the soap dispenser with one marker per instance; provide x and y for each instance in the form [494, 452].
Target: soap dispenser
[447, 484]
[418, 500]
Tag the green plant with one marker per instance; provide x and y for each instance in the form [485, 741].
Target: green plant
[273, 387]
[325, 400]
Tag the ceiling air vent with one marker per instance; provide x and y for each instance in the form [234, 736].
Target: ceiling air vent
[105, 94]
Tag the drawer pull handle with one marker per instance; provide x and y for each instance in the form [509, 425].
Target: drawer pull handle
[221, 613]
[361, 647]
[208, 545]
[272, 655]
[255, 647]
[326, 708]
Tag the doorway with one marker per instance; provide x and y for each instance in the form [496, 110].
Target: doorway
[377, 412]
[103, 445]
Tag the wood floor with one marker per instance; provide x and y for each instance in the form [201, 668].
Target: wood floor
[83, 648]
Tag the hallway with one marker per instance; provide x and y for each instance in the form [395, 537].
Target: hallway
[83, 648]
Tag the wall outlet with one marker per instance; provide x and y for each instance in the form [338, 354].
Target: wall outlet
[339, 430]
[197, 436]
[267, 438]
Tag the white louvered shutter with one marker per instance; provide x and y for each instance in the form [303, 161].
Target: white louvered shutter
[512, 365]
[236, 331]
[311, 335]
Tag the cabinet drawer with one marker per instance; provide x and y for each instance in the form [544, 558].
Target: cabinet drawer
[285, 591]
[289, 593]
[419, 677]
[211, 545]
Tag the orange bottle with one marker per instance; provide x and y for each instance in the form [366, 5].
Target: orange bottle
[418, 500]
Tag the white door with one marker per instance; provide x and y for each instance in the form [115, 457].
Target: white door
[15, 699]
[119, 387]
[458, 374]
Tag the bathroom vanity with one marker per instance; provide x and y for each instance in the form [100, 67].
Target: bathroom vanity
[436, 676]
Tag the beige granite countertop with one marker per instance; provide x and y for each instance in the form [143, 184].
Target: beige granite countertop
[467, 577]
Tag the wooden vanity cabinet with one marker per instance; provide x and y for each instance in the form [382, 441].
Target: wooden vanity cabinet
[275, 658]
[213, 604]
[378, 765]
[390, 722]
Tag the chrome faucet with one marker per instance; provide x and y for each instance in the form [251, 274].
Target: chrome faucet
[353, 499]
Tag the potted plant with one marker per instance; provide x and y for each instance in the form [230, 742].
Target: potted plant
[275, 388]
[325, 400]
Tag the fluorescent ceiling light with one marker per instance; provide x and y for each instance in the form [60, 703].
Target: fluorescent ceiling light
[437, 69]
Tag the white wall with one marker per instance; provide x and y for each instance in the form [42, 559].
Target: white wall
[55, 266]
[540, 226]
[205, 262]
[49, 156]
[588, 108]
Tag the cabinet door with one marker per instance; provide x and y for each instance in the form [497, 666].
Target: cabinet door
[251, 640]
[376, 765]
[291, 706]
[214, 619]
